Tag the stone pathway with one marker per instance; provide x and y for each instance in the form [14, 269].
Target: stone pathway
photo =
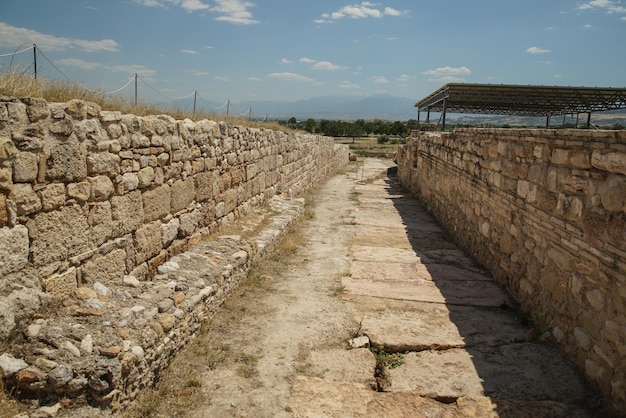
[466, 350]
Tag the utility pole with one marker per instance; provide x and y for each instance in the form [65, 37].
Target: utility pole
[195, 95]
[227, 107]
[249, 113]
[135, 89]
[35, 59]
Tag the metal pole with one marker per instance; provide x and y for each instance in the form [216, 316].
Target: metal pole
[227, 107]
[548, 121]
[35, 59]
[250, 113]
[195, 95]
[136, 89]
[443, 125]
[588, 120]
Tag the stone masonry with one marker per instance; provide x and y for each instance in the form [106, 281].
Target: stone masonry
[545, 212]
[93, 203]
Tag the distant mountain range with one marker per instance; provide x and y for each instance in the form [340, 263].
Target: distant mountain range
[386, 107]
[327, 107]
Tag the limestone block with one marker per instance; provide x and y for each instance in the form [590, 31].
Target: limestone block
[76, 108]
[613, 193]
[103, 163]
[26, 199]
[230, 201]
[101, 222]
[169, 231]
[58, 235]
[156, 203]
[560, 156]
[37, 109]
[107, 116]
[7, 149]
[6, 178]
[106, 268]
[25, 167]
[145, 177]
[67, 160]
[148, 242]
[612, 161]
[53, 196]
[203, 186]
[127, 213]
[62, 285]
[79, 191]
[63, 127]
[183, 192]
[188, 223]
[4, 213]
[131, 181]
[101, 188]
[13, 249]
[17, 113]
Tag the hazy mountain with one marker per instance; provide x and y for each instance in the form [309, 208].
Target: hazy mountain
[325, 107]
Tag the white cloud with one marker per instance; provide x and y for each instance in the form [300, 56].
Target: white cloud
[306, 60]
[255, 79]
[404, 77]
[285, 61]
[329, 66]
[349, 86]
[10, 36]
[75, 62]
[234, 11]
[363, 10]
[132, 69]
[380, 80]
[188, 51]
[537, 50]
[448, 71]
[587, 26]
[200, 73]
[610, 6]
[291, 77]
[222, 78]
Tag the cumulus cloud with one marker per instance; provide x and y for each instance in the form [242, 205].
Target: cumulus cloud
[448, 74]
[404, 77]
[132, 69]
[380, 80]
[321, 65]
[11, 36]
[537, 50]
[448, 71]
[285, 61]
[610, 6]
[362, 10]
[290, 77]
[76, 62]
[232, 11]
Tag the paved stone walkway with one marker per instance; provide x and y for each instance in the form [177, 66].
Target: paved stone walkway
[466, 350]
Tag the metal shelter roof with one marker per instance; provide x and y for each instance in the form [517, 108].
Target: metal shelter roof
[521, 100]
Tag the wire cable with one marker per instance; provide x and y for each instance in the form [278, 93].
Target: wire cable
[17, 52]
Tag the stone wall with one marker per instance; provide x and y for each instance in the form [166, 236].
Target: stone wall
[90, 196]
[545, 212]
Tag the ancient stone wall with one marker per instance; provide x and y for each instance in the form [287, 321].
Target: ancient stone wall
[90, 196]
[545, 212]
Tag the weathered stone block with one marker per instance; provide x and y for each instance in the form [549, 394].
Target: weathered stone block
[203, 186]
[67, 160]
[169, 231]
[58, 235]
[53, 196]
[101, 188]
[611, 161]
[188, 223]
[25, 167]
[103, 163]
[79, 191]
[26, 199]
[130, 181]
[62, 285]
[101, 222]
[230, 201]
[106, 268]
[148, 242]
[145, 177]
[13, 249]
[127, 213]
[156, 203]
[613, 193]
[183, 192]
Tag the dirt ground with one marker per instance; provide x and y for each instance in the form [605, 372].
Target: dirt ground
[245, 360]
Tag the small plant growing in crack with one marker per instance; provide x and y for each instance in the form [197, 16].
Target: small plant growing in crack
[384, 361]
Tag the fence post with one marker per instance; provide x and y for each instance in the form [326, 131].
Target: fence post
[35, 59]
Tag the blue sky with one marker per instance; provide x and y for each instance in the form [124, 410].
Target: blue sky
[297, 49]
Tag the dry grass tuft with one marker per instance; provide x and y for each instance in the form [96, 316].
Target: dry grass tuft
[22, 84]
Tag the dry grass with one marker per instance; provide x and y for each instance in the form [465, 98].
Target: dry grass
[21, 84]
[368, 146]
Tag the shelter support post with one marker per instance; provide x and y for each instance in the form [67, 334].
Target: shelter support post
[443, 123]
[588, 120]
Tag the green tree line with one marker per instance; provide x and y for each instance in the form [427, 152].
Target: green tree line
[353, 129]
